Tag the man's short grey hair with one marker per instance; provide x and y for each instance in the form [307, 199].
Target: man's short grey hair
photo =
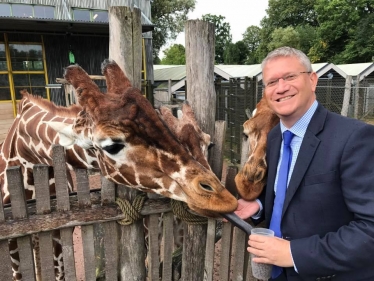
[288, 52]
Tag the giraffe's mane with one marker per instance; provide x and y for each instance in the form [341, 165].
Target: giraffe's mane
[49, 106]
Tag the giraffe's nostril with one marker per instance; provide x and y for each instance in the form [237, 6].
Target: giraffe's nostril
[206, 187]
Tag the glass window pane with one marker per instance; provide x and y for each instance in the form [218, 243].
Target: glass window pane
[5, 10]
[83, 15]
[100, 16]
[33, 83]
[24, 11]
[45, 12]
[4, 82]
[3, 65]
[4, 87]
[26, 57]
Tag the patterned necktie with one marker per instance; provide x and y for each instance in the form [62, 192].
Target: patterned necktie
[280, 194]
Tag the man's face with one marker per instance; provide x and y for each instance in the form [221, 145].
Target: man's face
[292, 96]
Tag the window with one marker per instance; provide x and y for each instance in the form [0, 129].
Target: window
[90, 15]
[3, 65]
[24, 11]
[101, 16]
[83, 15]
[27, 68]
[25, 57]
[44, 12]
[27, 11]
[5, 10]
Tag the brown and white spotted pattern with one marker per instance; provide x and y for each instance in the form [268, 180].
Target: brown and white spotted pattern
[250, 180]
[121, 134]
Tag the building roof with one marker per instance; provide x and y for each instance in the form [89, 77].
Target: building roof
[235, 71]
[55, 26]
[355, 69]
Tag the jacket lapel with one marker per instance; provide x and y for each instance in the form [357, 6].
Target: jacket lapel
[272, 157]
[307, 150]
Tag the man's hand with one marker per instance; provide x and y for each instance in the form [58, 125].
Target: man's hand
[270, 250]
[247, 209]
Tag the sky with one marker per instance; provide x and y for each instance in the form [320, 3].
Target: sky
[238, 13]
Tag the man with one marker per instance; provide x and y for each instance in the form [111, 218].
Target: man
[326, 217]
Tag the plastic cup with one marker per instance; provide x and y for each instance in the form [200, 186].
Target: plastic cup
[261, 271]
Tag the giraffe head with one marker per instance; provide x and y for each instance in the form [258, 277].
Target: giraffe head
[250, 180]
[134, 145]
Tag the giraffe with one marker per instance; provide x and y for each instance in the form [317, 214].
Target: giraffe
[250, 180]
[134, 146]
[119, 133]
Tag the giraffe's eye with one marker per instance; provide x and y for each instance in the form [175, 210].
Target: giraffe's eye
[245, 136]
[114, 148]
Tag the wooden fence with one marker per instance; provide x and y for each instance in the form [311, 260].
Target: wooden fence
[87, 208]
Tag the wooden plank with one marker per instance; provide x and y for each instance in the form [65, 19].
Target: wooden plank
[167, 245]
[124, 48]
[62, 189]
[26, 263]
[43, 206]
[200, 81]
[111, 250]
[46, 255]
[240, 238]
[75, 217]
[83, 188]
[225, 259]
[68, 253]
[216, 155]
[210, 250]
[17, 192]
[5, 262]
[42, 192]
[108, 191]
[88, 252]
[154, 248]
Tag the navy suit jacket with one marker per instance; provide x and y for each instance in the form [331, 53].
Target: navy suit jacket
[328, 213]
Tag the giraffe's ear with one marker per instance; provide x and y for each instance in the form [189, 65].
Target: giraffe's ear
[65, 132]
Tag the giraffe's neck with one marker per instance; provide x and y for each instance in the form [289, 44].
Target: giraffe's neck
[29, 142]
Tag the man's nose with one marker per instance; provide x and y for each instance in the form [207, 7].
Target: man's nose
[282, 85]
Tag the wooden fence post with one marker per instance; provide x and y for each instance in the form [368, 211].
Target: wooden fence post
[200, 44]
[125, 47]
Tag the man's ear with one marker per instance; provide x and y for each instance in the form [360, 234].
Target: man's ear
[64, 131]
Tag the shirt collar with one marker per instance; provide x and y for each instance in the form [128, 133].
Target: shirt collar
[299, 128]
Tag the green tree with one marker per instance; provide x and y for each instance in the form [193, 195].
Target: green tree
[284, 37]
[252, 40]
[222, 35]
[169, 18]
[361, 47]
[283, 14]
[176, 54]
[236, 53]
[339, 21]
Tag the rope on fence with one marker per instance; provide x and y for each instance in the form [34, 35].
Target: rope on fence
[180, 210]
[131, 211]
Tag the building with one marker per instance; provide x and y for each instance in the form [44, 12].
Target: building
[40, 38]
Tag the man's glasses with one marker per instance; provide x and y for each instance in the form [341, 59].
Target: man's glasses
[287, 78]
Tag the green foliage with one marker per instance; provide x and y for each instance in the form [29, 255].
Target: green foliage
[236, 53]
[176, 55]
[284, 37]
[169, 18]
[222, 35]
[340, 22]
[338, 31]
[252, 40]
